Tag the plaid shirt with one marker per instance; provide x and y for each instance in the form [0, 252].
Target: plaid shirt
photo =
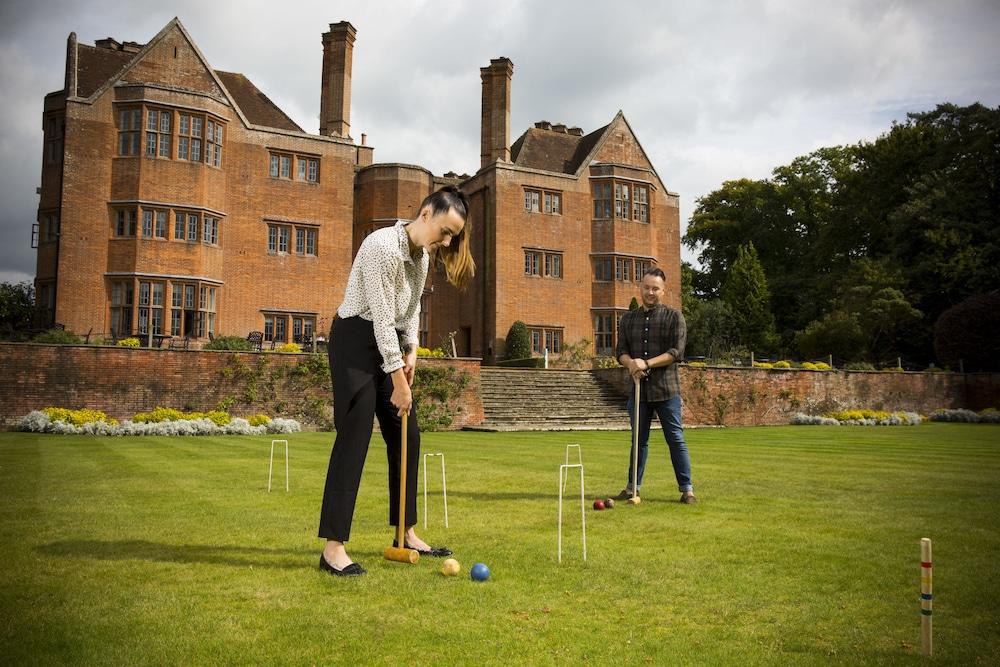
[644, 334]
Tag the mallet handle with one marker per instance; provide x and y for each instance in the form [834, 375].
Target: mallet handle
[402, 484]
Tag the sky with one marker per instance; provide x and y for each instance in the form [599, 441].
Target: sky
[715, 91]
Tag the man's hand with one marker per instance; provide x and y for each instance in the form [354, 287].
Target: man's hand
[637, 368]
[410, 365]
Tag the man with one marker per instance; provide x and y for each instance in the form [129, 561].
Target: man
[650, 343]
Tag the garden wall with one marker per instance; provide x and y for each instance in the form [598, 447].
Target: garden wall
[124, 381]
[759, 396]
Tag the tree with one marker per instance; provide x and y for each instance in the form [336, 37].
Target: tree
[745, 293]
[968, 332]
[633, 304]
[711, 330]
[518, 343]
[837, 333]
[18, 311]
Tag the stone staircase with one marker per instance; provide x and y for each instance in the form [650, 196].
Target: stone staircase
[549, 400]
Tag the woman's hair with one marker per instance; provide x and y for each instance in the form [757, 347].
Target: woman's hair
[457, 256]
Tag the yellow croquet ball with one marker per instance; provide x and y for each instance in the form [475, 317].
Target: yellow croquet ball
[450, 567]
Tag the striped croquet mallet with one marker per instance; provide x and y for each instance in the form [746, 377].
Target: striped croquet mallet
[926, 597]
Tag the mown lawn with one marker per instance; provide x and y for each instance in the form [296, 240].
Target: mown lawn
[803, 550]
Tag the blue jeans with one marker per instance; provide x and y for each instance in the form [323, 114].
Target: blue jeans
[669, 414]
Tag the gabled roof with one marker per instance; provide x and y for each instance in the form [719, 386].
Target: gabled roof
[99, 68]
[256, 106]
[549, 150]
[96, 65]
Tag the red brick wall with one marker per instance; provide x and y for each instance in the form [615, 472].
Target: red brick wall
[122, 382]
[755, 397]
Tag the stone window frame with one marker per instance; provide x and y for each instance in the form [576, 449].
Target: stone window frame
[309, 237]
[542, 336]
[542, 200]
[542, 262]
[302, 168]
[621, 199]
[183, 137]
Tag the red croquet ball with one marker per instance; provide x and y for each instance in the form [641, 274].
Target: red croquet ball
[598, 504]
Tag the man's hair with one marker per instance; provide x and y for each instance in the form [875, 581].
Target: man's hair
[655, 271]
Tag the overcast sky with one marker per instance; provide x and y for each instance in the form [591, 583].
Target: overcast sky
[715, 90]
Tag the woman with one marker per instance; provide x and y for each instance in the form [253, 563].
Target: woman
[373, 354]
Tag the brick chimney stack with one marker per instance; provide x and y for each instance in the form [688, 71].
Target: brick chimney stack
[495, 144]
[335, 98]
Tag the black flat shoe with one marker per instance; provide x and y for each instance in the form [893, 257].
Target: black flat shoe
[433, 552]
[352, 570]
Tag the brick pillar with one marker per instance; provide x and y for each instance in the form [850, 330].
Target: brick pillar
[335, 97]
[496, 111]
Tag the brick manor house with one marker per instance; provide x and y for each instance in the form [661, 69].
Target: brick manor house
[179, 198]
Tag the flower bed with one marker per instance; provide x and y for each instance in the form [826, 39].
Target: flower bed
[859, 418]
[161, 421]
[987, 416]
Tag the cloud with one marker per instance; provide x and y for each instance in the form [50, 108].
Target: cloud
[715, 91]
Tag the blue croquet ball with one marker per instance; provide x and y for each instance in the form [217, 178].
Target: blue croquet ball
[479, 572]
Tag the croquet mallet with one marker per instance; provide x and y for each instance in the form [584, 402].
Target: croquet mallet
[635, 499]
[399, 552]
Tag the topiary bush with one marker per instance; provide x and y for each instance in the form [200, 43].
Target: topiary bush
[967, 332]
[518, 342]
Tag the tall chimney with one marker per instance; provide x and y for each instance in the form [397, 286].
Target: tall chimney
[70, 85]
[335, 98]
[495, 144]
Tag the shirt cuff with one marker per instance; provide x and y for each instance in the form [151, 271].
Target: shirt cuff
[673, 353]
[391, 366]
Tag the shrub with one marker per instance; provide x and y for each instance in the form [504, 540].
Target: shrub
[763, 364]
[77, 417]
[436, 353]
[891, 369]
[129, 342]
[605, 362]
[966, 332]
[58, 337]
[934, 369]
[157, 415]
[233, 343]
[859, 366]
[987, 416]
[258, 420]
[518, 342]
[782, 364]
[809, 366]
[803, 419]
[822, 366]
[289, 348]
[697, 364]
[39, 422]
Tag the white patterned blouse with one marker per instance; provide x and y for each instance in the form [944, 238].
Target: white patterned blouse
[385, 287]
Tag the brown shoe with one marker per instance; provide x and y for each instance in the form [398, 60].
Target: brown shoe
[688, 498]
[625, 494]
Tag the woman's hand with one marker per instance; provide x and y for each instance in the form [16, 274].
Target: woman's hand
[402, 397]
[410, 365]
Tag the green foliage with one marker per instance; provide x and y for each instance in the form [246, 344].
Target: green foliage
[234, 343]
[968, 332]
[289, 348]
[435, 391]
[838, 333]
[518, 342]
[711, 328]
[633, 304]
[78, 417]
[574, 355]
[258, 420]
[782, 364]
[893, 231]
[859, 366]
[18, 311]
[746, 293]
[161, 414]
[58, 337]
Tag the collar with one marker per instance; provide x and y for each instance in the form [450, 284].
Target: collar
[404, 241]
